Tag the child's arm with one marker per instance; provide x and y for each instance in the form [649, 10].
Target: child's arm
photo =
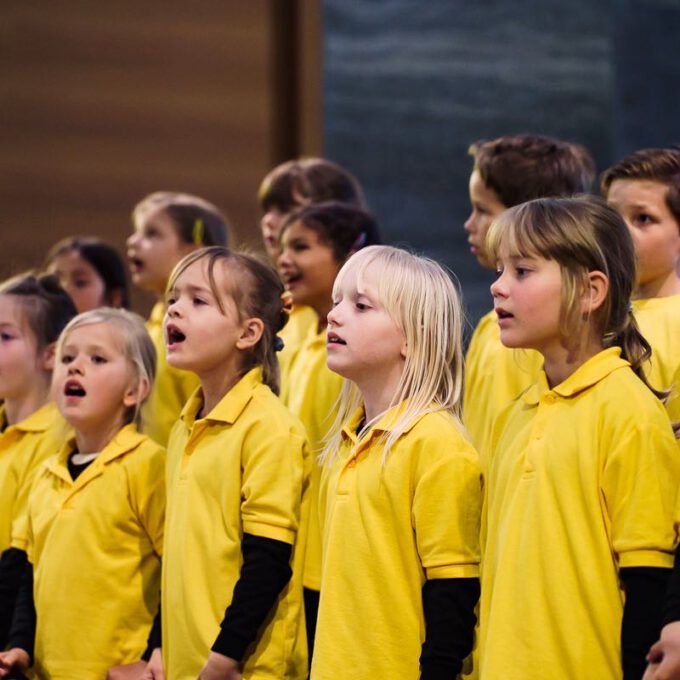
[449, 608]
[22, 634]
[642, 615]
[265, 572]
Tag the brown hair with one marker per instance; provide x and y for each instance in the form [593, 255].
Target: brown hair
[345, 228]
[195, 219]
[519, 168]
[257, 295]
[581, 234]
[46, 305]
[657, 165]
[308, 180]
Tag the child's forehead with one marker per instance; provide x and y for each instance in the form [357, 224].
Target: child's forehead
[12, 311]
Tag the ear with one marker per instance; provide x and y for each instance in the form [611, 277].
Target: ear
[48, 356]
[595, 292]
[135, 394]
[251, 332]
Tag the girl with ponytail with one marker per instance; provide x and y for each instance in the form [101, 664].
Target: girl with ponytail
[580, 482]
[236, 470]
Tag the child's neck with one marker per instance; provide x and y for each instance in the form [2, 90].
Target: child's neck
[20, 408]
[559, 365]
[215, 386]
[96, 439]
[378, 392]
[661, 287]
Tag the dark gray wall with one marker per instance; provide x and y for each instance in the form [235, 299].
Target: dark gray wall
[409, 85]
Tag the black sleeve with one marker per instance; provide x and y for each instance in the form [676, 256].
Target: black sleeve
[264, 574]
[22, 633]
[12, 565]
[449, 609]
[155, 636]
[642, 616]
[671, 610]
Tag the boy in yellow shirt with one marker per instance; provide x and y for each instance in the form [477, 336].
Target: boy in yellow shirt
[644, 187]
[508, 171]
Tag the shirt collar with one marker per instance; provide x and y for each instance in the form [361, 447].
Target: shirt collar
[39, 421]
[385, 424]
[230, 407]
[588, 374]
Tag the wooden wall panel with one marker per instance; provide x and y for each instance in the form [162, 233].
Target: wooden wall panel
[102, 103]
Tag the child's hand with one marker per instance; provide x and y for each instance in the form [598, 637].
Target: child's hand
[664, 656]
[128, 671]
[14, 659]
[154, 669]
[220, 667]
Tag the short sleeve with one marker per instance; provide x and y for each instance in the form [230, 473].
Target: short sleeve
[446, 512]
[640, 481]
[272, 483]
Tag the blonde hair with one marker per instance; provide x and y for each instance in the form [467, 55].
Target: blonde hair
[582, 234]
[424, 303]
[137, 346]
[256, 295]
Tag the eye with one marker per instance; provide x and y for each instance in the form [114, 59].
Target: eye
[198, 301]
[99, 359]
[80, 283]
[361, 306]
[643, 219]
[66, 358]
[521, 272]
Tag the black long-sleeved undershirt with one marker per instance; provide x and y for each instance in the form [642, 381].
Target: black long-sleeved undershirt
[642, 616]
[672, 607]
[449, 611]
[264, 574]
[12, 565]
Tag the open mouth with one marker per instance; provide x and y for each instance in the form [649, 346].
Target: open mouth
[174, 335]
[74, 389]
[502, 314]
[289, 279]
[334, 339]
[135, 263]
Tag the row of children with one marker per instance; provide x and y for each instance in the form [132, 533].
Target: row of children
[578, 460]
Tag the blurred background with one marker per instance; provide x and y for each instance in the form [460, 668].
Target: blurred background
[103, 103]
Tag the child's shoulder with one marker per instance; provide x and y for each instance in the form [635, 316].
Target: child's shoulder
[268, 410]
[439, 433]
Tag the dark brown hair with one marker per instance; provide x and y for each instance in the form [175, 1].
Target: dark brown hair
[46, 305]
[522, 167]
[343, 227]
[257, 295]
[657, 165]
[308, 180]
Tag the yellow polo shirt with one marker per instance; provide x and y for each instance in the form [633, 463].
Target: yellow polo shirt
[659, 321]
[23, 447]
[171, 387]
[494, 375]
[387, 527]
[95, 546]
[293, 334]
[581, 482]
[311, 394]
[241, 469]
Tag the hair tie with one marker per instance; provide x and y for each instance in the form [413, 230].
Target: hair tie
[278, 344]
[287, 301]
[359, 242]
[198, 231]
[630, 308]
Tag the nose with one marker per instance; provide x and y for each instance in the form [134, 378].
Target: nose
[284, 258]
[469, 223]
[132, 239]
[75, 367]
[499, 287]
[334, 317]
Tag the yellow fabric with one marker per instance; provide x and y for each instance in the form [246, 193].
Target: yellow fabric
[293, 334]
[312, 392]
[494, 375]
[387, 527]
[95, 545]
[581, 482]
[171, 387]
[659, 321]
[23, 447]
[241, 469]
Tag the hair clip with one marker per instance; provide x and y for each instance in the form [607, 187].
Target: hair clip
[359, 242]
[287, 301]
[630, 307]
[278, 344]
[199, 232]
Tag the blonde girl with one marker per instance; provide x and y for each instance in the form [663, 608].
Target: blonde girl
[400, 487]
[96, 511]
[33, 311]
[232, 591]
[580, 484]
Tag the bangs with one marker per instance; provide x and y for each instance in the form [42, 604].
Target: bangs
[514, 233]
[277, 191]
